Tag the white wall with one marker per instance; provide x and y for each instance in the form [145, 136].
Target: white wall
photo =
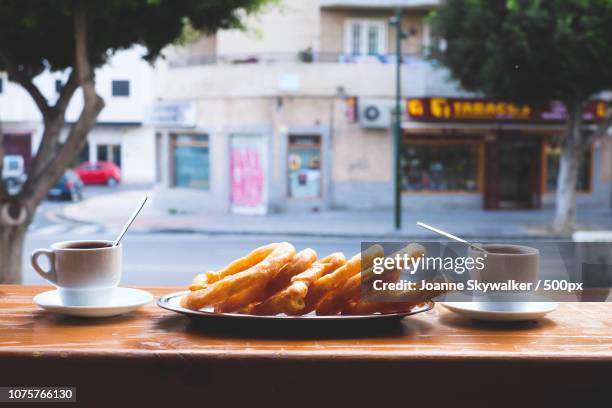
[287, 27]
[125, 65]
[19, 114]
[17, 106]
[138, 155]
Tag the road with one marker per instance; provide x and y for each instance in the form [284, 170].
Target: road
[172, 259]
[161, 259]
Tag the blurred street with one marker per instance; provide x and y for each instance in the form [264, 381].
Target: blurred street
[158, 259]
[171, 256]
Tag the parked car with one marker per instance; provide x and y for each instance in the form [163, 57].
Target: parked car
[13, 172]
[101, 172]
[68, 187]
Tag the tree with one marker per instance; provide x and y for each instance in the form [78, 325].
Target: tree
[534, 51]
[78, 36]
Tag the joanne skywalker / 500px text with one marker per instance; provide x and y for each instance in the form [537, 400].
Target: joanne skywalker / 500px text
[474, 285]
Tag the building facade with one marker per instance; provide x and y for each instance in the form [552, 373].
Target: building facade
[295, 114]
[501, 154]
[121, 134]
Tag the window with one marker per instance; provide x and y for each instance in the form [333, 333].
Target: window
[304, 166]
[440, 167]
[365, 37]
[355, 45]
[553, 154]
[373, 40]
[58, 86]
[109, 152]
[121, 88]
[102, 152]
[191, 156]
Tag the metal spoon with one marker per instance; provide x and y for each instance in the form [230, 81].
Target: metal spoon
[451, 236]
[131, 220]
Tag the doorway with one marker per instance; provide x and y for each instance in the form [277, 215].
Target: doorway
[19, 145]
[513, 172]
[304, 166]
[248, 160]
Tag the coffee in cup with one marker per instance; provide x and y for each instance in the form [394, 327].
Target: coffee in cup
[85, 273]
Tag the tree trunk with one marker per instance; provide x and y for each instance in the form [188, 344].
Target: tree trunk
[569, 165]
[11, 252]
[51, 160]
[573, 147]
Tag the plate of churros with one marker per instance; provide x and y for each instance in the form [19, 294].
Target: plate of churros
[277, 282]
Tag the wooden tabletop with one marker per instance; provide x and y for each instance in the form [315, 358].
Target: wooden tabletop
[579, 331]
[154, 356]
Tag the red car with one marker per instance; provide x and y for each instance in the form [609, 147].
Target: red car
[100, 172]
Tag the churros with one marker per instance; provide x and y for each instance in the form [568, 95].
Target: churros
[261, 290]
[201, 280]
[301, 262]
[334, 280]
[274, 279]
[394, 301]
[240, 300]
[238, 265]
[334, 301]
[222, 289]
[291, 299]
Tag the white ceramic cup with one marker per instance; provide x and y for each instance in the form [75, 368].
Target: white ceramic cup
[85, 273]
[505, 262]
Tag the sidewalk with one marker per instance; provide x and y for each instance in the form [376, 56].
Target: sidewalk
[112, 210]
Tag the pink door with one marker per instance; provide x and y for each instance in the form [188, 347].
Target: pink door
[248, 174]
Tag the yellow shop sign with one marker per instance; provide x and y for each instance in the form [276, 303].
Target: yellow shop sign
[474, 109]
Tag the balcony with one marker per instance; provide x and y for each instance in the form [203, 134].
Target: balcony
[325, 71]
[304, 56]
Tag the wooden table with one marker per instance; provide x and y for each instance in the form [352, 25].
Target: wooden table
[154, 355]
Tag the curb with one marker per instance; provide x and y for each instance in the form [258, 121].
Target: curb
[364, 237]
[55, 216]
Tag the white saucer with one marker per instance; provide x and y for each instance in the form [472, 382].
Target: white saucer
[124, 300]
[501, 311]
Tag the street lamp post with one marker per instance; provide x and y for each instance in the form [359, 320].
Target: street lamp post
[396, 22]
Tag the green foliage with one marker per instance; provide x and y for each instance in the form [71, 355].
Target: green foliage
[38, 34]
[527, 50]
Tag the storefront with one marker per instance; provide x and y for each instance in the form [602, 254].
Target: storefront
[304, 167]
[306, 153]
[190, 160]
[185, 170]
[238, 163]
[506, 153]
